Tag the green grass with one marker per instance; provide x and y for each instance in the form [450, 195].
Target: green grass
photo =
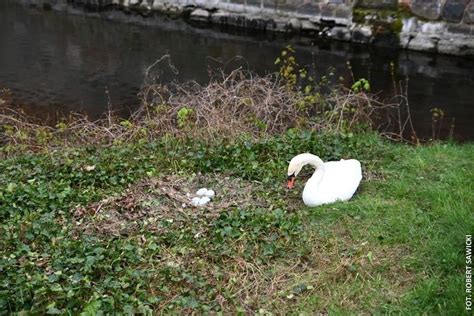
[398, 246]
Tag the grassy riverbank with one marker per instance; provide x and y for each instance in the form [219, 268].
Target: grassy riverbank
[95, 216]
[398, 246]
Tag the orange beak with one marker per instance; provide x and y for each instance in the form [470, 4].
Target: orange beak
[291, 182]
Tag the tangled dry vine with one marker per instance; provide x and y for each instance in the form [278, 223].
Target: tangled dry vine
[230, 105]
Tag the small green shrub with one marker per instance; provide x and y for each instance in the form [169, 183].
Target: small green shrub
[184, 116]
[361, 85]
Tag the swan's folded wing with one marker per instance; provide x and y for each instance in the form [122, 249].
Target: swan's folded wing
[342, 178]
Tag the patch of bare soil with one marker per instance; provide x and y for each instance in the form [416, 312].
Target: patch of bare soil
[167, 198]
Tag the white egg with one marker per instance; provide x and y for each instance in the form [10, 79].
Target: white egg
[210, 193]
[204, 200]
[201, 192]
[195, 201]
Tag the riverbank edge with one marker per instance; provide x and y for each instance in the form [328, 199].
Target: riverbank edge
[387, 28]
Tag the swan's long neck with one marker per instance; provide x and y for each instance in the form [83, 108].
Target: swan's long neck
[314, 161]
[318, 164]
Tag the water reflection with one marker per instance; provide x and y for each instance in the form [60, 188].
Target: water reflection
[62, 62]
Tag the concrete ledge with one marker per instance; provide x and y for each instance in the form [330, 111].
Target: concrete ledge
[331, 19]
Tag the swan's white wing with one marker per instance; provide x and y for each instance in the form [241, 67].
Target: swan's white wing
[341, 179]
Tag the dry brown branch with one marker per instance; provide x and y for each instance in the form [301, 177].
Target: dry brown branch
[229, 106]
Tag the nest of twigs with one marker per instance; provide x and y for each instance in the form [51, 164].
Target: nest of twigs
[158, 204]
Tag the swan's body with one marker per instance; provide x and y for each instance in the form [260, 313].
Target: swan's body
[332, 181]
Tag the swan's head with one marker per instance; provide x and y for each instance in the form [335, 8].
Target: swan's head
[294, 167]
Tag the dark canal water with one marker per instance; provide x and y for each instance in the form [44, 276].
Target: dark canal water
[58, 62]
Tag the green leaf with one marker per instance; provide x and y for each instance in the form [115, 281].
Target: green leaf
[10, 187]
[91, 308]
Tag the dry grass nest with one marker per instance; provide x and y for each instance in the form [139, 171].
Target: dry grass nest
[149, 203]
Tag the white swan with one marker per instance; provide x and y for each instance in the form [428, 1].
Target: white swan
[332, 181]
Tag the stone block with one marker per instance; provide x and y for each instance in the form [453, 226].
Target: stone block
[270, 4]
[461, 29]
[458, 45]
[200, 15]
[343, 12]
[294, 3]
[257, 24]
[308, 26]
[424, 43]
[145, 6]
[328, 11]
[308, 8]
[277, 25]
[295, 24]
[287, 5]
[219, 17]
[361, 34]
[429, 9]
[236, 20]
[433, 27]
[61, 5]
[255, 3]
[410, 25]
[377, 4]
[453, 10]
[469, 13]
[340, 33]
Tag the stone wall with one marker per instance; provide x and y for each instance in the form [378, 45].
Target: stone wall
[445, 26]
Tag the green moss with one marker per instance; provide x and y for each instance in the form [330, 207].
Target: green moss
[359, 14]
[397, 26]
[380, 24]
